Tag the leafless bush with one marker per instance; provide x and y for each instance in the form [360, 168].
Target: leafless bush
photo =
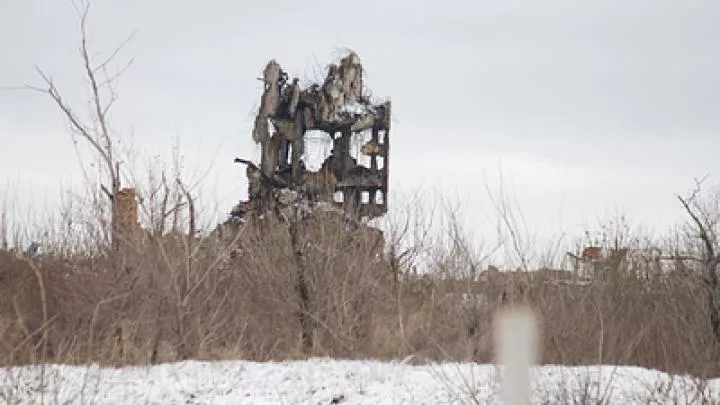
[679, 390]
[576, 388]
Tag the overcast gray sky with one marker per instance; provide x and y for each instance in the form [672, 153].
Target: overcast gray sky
[589, 108]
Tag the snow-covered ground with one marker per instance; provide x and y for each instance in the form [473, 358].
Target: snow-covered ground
[327, 381]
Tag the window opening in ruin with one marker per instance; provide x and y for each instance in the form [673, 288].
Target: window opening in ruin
[380, 162]
[288, 158]
[365, 197]
[338, 197]
[318, 147]
[379, 198]
[381, 137]
[356, 142]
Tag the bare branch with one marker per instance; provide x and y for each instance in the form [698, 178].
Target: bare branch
[508, 220]
[702, 231]
[114, 53]
[100, 115]
[191, 208]
[111, 79]
[75, 123]
[107, 192]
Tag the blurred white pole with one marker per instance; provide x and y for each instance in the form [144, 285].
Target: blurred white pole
[516, 339]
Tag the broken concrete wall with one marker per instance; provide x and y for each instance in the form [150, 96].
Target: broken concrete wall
[351, 72]
[269, 101]
[338, 108]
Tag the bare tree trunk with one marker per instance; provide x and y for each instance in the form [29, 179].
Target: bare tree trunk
[710, 259]
[297, 244]
[116, 234]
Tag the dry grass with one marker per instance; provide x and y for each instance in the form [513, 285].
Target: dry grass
[236, 296]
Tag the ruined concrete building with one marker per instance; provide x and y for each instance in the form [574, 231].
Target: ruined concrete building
[353, 173]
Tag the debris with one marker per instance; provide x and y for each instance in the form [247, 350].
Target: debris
[237, 214]
[372, 148]
[338, 399]
[32, 249]
[285, 196]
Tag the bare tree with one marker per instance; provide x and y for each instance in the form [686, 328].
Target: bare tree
[511, 225]
[704, 223]
[94, 130]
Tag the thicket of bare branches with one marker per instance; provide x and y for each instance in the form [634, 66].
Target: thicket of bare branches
[234, 295]
[702, 246]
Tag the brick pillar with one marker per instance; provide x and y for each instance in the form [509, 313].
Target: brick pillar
[127, 209]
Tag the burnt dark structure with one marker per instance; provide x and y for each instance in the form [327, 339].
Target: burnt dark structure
[354, 174]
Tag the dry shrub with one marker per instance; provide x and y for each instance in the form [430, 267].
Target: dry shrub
[23, 309]
[229, 296]
[656, 323]
[235, 294]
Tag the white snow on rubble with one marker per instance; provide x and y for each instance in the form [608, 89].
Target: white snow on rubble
[327, 381]
[356, 108]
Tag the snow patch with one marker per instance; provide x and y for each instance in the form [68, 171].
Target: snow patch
[326, 381]
[356, 108]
